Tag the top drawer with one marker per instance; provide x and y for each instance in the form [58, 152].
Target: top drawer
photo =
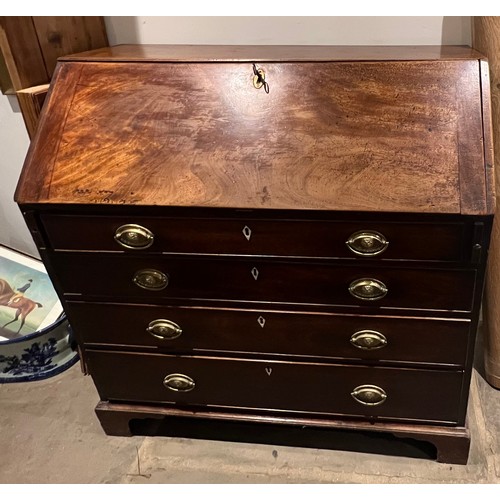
[364, 240]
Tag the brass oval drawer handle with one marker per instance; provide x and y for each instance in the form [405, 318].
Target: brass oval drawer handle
[367, 243]
[150, 279]
[178, 382]
[369, 340]
[134, 236]
[369, 395]
[164, 329]
[368, 289]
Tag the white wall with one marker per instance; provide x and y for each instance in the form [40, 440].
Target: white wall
[429, 30]
[434, 30]
[14, 142]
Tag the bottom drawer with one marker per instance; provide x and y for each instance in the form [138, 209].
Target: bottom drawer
[407, 394]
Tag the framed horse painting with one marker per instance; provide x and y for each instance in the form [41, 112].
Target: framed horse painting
[28, 301]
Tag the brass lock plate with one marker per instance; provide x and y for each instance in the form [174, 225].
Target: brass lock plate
[259, 79]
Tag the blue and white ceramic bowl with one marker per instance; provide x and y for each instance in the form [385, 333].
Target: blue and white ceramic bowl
[39, 355]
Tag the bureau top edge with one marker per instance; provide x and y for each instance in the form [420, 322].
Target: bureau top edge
[277, 53]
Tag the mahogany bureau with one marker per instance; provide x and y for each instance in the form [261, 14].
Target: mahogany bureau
[292, 235]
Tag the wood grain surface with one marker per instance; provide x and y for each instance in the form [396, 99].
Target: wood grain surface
[398, 136]
[250, 53]
[22, 54]
[31, 102]
[486, 37]
[61, 35]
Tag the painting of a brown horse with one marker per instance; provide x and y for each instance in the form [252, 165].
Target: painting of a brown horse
[22, 305]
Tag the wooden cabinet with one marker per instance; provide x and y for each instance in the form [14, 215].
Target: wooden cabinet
[29, 48]
[308, 251]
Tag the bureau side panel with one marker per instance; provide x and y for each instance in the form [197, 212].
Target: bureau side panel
[34, 183]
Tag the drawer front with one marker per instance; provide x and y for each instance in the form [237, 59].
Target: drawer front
[425, 395]
[193, 329]
[412, 241]
[257, 280]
